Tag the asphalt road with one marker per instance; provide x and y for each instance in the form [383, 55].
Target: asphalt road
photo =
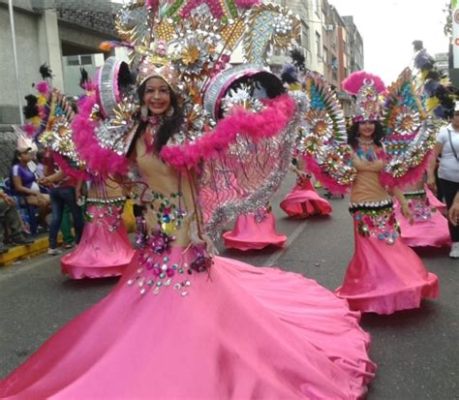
[417, 351]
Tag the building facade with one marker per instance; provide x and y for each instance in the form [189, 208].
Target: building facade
[48, 32]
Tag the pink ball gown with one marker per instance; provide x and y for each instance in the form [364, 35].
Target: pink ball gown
[104, 249]
[429, 227]
[254, 231]
[303, 201]
[176, 327]
[384, 274]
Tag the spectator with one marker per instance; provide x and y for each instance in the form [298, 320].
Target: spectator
[24, 183]
[62, 193]
[9, 219]
[448, 171]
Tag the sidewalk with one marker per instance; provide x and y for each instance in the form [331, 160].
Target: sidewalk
[41, 243]
[20, 252]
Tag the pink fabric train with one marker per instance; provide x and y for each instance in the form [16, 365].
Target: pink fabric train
[254, 231]
[104, 249]
[303, 201]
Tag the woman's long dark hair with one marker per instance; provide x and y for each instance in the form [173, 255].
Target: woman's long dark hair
[169, 126]
[353, 134]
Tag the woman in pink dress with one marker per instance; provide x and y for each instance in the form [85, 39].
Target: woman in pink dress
[254, 231]
[428, 228]
[182, 323]
[384, 274]
[303, 201]
[104, 249]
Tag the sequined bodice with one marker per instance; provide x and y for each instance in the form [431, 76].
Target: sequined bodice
[367, 186]
[169, 205]
[170, 248]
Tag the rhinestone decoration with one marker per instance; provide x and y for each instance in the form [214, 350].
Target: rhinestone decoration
[419, 205]
[376, 219]
[410, 133]
[156, 268]
[105, 212]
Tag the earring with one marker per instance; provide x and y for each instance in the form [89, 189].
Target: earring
[170, 112]
[144, 113]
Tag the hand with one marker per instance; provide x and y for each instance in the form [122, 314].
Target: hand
[406, 212]
[8, 200]
[45, 181]
[454, 214]
[431, 184]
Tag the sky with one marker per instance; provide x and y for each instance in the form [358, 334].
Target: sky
[388, 27]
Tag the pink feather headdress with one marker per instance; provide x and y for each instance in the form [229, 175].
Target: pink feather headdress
[367, 88]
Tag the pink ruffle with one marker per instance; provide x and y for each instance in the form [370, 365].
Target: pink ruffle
[355, 81]
[42, 87]
[384, 278]
[68, 170]
[266, 123]
[241, 333]
[304, 201]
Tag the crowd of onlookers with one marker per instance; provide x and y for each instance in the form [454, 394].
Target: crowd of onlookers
[35, 198]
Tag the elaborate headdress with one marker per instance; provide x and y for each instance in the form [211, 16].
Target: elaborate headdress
[237, 127]
[367, 89]
[48, 118]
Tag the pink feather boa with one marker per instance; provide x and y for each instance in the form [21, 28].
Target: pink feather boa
[98, 160]
[68, 170]
[267, 123]
[43, 87]
[354, 82]
[333, 186]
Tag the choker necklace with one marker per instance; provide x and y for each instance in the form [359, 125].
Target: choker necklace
[365, 142]
[155, 120]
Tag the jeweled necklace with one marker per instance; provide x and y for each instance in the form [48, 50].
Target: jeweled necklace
[154, 122]
[365, 150]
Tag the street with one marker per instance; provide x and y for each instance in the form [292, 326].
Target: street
[417, 351]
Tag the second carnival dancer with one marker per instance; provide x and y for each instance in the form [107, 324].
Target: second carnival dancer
[254, 230]
[303, 200]
[384, 274]
[377, 154]
[104, 249]
[183, 323]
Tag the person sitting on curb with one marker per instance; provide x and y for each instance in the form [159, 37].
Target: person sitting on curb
[9, 218]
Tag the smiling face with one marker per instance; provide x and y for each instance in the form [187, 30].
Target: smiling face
[157, 96]
[366, 129]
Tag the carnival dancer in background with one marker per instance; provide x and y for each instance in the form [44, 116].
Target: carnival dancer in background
[254, 231]
[428, 226]
[384, 274]
[303, 201]
[104, 249]
[164, 333]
